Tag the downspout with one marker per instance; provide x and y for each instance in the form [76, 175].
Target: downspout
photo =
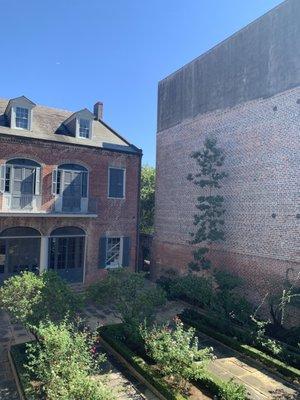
[138, 215]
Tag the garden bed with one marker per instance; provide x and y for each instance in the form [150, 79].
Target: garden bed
[18, 357]
[206, 325]
[114, 336]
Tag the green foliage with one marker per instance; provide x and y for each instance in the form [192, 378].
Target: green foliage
[232, 391]
[196, 289]
[60, 364]
[113, 335]
[147, 199]
[226, 280]
[236, 338]
[176, 352]
[133, 296]
[209, 219]
[20, 295]
[232, 306]
[31, 298]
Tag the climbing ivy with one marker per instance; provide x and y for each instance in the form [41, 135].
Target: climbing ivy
[209, 219]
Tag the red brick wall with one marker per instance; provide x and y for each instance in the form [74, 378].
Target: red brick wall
[115, 217]
[261, 143]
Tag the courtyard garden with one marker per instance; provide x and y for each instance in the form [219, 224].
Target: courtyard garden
[174, 356]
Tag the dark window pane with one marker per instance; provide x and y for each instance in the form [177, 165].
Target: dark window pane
[116, 182]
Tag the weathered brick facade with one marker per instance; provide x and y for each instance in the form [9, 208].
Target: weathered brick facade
[111, 217]
[260, 138]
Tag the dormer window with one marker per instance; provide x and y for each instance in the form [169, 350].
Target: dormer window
[84, 128]
[80, 124]
[22, 118]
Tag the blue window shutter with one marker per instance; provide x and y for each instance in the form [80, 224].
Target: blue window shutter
[2, 178]
[102, 252]
[54, 181]
[84, 183]
[126, 252]
[116, 182]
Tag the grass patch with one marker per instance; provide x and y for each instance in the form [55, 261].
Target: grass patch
[19, 357]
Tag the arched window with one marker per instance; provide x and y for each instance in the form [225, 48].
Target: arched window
[66, 252]
[19, 251]
[70, 182]
[19, 232]
[21, 180]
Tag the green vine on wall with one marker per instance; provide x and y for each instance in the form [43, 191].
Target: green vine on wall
[209, 220]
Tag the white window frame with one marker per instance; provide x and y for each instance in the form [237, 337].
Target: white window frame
[124, 183]
[78, 128]
[119, 265]
[14, 118]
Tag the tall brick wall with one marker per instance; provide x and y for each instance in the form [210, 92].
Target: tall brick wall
[115, 216]
[262, 148]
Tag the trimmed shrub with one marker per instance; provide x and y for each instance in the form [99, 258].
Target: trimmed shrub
[204, 324]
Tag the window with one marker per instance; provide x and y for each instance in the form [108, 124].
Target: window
[113, 252]
[84, 128]
[22, 118]
[116, 183]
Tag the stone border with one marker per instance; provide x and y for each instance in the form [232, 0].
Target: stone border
[16, 377]
[133, 371]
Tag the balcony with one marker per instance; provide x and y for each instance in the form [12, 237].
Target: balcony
[75, 205]
[31, 205]
[20, 203]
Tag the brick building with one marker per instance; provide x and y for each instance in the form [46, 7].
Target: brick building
[246, 93]
[69, 192]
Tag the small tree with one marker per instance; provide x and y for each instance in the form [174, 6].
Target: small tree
[60, 363]
[134, 297]
[176, 352]
[31, 298]
[147, 199]
[209, 220]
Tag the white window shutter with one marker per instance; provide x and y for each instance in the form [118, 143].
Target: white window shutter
[2, 178]
[54, 181]
[38, 180]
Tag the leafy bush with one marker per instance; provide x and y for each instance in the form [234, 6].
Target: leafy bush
[196, 289]
[232, 306]
[232, 391]
[134, 298]
[31, 298]
[226, 280]
[60, 363]
[176, 352]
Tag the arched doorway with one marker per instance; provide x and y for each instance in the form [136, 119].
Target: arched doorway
[67, 253]
[19, 251]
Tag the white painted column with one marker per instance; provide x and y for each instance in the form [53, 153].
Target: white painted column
[44, 254]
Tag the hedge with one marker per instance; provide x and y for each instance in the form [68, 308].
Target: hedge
[286, 370]
[290, 354]
[214, 385]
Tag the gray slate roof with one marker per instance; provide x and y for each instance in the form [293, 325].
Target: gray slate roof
[48, 124]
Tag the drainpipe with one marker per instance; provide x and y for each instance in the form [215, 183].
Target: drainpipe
[138, 215]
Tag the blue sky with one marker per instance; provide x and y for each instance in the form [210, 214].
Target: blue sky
[71, 53]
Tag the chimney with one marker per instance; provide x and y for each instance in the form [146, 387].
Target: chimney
[98, 110]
